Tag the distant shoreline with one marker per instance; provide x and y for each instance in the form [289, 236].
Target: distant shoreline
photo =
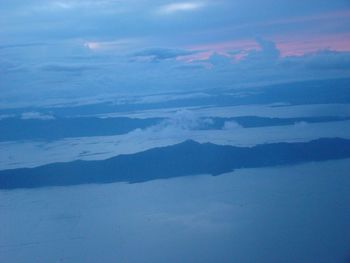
[187, 158]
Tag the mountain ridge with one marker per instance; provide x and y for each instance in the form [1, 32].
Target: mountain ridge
[186, 158]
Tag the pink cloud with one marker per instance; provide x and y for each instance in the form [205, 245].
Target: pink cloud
[196, 57]
[239, 47]
[290, 44]
[243, 44]
[293, 45]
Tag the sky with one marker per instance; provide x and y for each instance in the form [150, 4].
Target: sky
[74, 48]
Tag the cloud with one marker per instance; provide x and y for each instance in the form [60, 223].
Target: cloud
[71, 70]
[161, 98]
[91, 51]
[267, 53]
[179, 124]
[231, 125]
[36, 115]
[6, 116]
[115, 45]
[179, 7]
[21, 45]
[221, 60]
[322, 60]
[157, 54]
[301, 124]
[63, 5]
[268, 48]
[78, 4]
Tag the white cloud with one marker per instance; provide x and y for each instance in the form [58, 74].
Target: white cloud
[179, 126]
[112, 45]
[231, 125]
[70, 4]
[36, 115]
[178, 7]
[6, 116]
[300, 124]
[92, 45]
[181, 121]
[63, 5]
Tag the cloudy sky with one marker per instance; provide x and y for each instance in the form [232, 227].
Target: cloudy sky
[69, 48]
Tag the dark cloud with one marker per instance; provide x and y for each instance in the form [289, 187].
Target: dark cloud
[157, 54]
[268, 53]
[220, 60]
[21, 45]
[321, 60]
[268, 48]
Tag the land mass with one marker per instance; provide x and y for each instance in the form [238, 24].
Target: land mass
[187, 158]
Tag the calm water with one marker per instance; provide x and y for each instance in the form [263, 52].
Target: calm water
[284, 214]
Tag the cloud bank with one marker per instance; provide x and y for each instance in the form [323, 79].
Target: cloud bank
[106, 46]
